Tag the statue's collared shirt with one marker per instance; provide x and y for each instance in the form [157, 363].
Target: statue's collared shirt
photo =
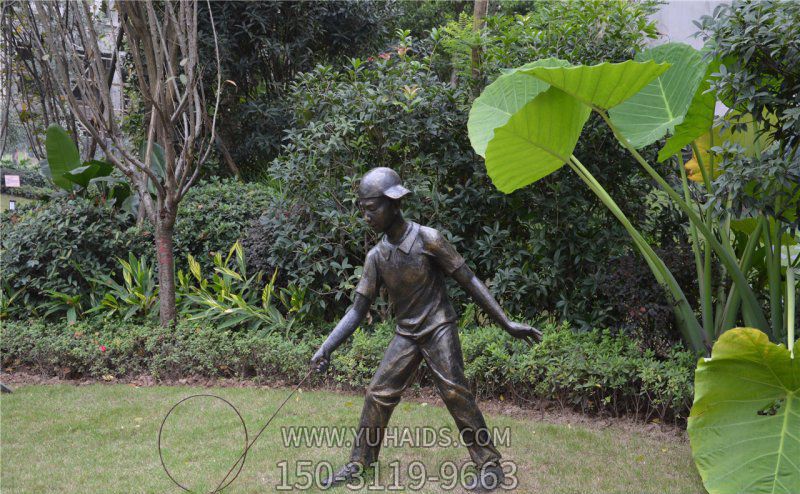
[413, 273]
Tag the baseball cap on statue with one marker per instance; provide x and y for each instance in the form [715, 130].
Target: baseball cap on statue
[381, 182]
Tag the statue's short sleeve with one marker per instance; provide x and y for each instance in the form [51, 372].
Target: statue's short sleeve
[443, 252]
[370, 280]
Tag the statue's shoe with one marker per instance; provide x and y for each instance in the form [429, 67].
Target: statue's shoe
[345, 474]
[489, 478]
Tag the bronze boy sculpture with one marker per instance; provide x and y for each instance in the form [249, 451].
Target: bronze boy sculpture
[411, 261]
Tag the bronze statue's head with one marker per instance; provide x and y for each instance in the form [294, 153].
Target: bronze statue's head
[381, 182]
[379, 196]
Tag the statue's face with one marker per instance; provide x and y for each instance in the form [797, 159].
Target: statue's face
[379, 212]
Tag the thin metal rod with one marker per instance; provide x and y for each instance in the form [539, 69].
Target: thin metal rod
[217, 489]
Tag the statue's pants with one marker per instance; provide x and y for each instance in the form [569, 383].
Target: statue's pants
[441, 350]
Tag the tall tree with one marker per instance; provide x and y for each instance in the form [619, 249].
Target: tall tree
[162, 39]
[25, 87]
[264, 45]
[479, 11]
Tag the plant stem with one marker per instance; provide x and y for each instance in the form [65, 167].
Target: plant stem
[774, 276]
[755, 314]
[698, 261]
[790, 289]
[706, 278]
[733, 301]
[690, 329]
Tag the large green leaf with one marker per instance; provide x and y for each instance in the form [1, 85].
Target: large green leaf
[699, 117]
[744, 425]
[90, 170]
[662, 104]
[503, 98]
[62, 156]
[536, 141]
[601, 86]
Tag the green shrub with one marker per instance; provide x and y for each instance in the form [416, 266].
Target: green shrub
[594, 372]
[60, 245]
[214, 215]
[597, 371]
[97, 347]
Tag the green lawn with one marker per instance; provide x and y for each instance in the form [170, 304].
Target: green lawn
[103, 438]
[5, 198]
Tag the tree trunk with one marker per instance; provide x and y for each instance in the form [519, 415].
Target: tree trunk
[226, 155]
[478, 22]
[223, 148]
[166, 273]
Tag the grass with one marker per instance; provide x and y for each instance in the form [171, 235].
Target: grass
[6, 198]
[103, 438]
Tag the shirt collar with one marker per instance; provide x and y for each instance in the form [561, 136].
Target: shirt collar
[405, 244]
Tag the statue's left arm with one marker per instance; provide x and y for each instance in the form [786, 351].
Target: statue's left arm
[483, 297]
[453, 265]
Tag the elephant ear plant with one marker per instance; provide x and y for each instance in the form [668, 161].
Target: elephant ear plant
[744, 425]
[526, 125]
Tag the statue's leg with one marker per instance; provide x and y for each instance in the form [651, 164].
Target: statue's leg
[442, 353]
[400, 360]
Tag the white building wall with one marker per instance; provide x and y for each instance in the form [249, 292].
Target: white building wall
[675, 20]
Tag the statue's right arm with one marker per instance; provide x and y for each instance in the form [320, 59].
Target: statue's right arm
[346, 326]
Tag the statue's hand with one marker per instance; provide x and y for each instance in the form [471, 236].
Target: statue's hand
[527, 333]
[321, 360]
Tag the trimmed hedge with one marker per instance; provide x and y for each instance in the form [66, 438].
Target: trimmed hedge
[594, 372]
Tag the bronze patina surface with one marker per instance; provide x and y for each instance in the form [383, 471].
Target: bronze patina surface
[411, 261]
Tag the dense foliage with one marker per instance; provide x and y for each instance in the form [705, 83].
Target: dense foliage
[60, 245]
[759, 79]
[637, 302]
[263, 45]
[580, 32]
[65, 244]
[395, 110]
[593, 372]
[214, 215]
[760, 74]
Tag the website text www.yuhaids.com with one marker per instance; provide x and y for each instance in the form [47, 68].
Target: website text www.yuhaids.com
[423, 437]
